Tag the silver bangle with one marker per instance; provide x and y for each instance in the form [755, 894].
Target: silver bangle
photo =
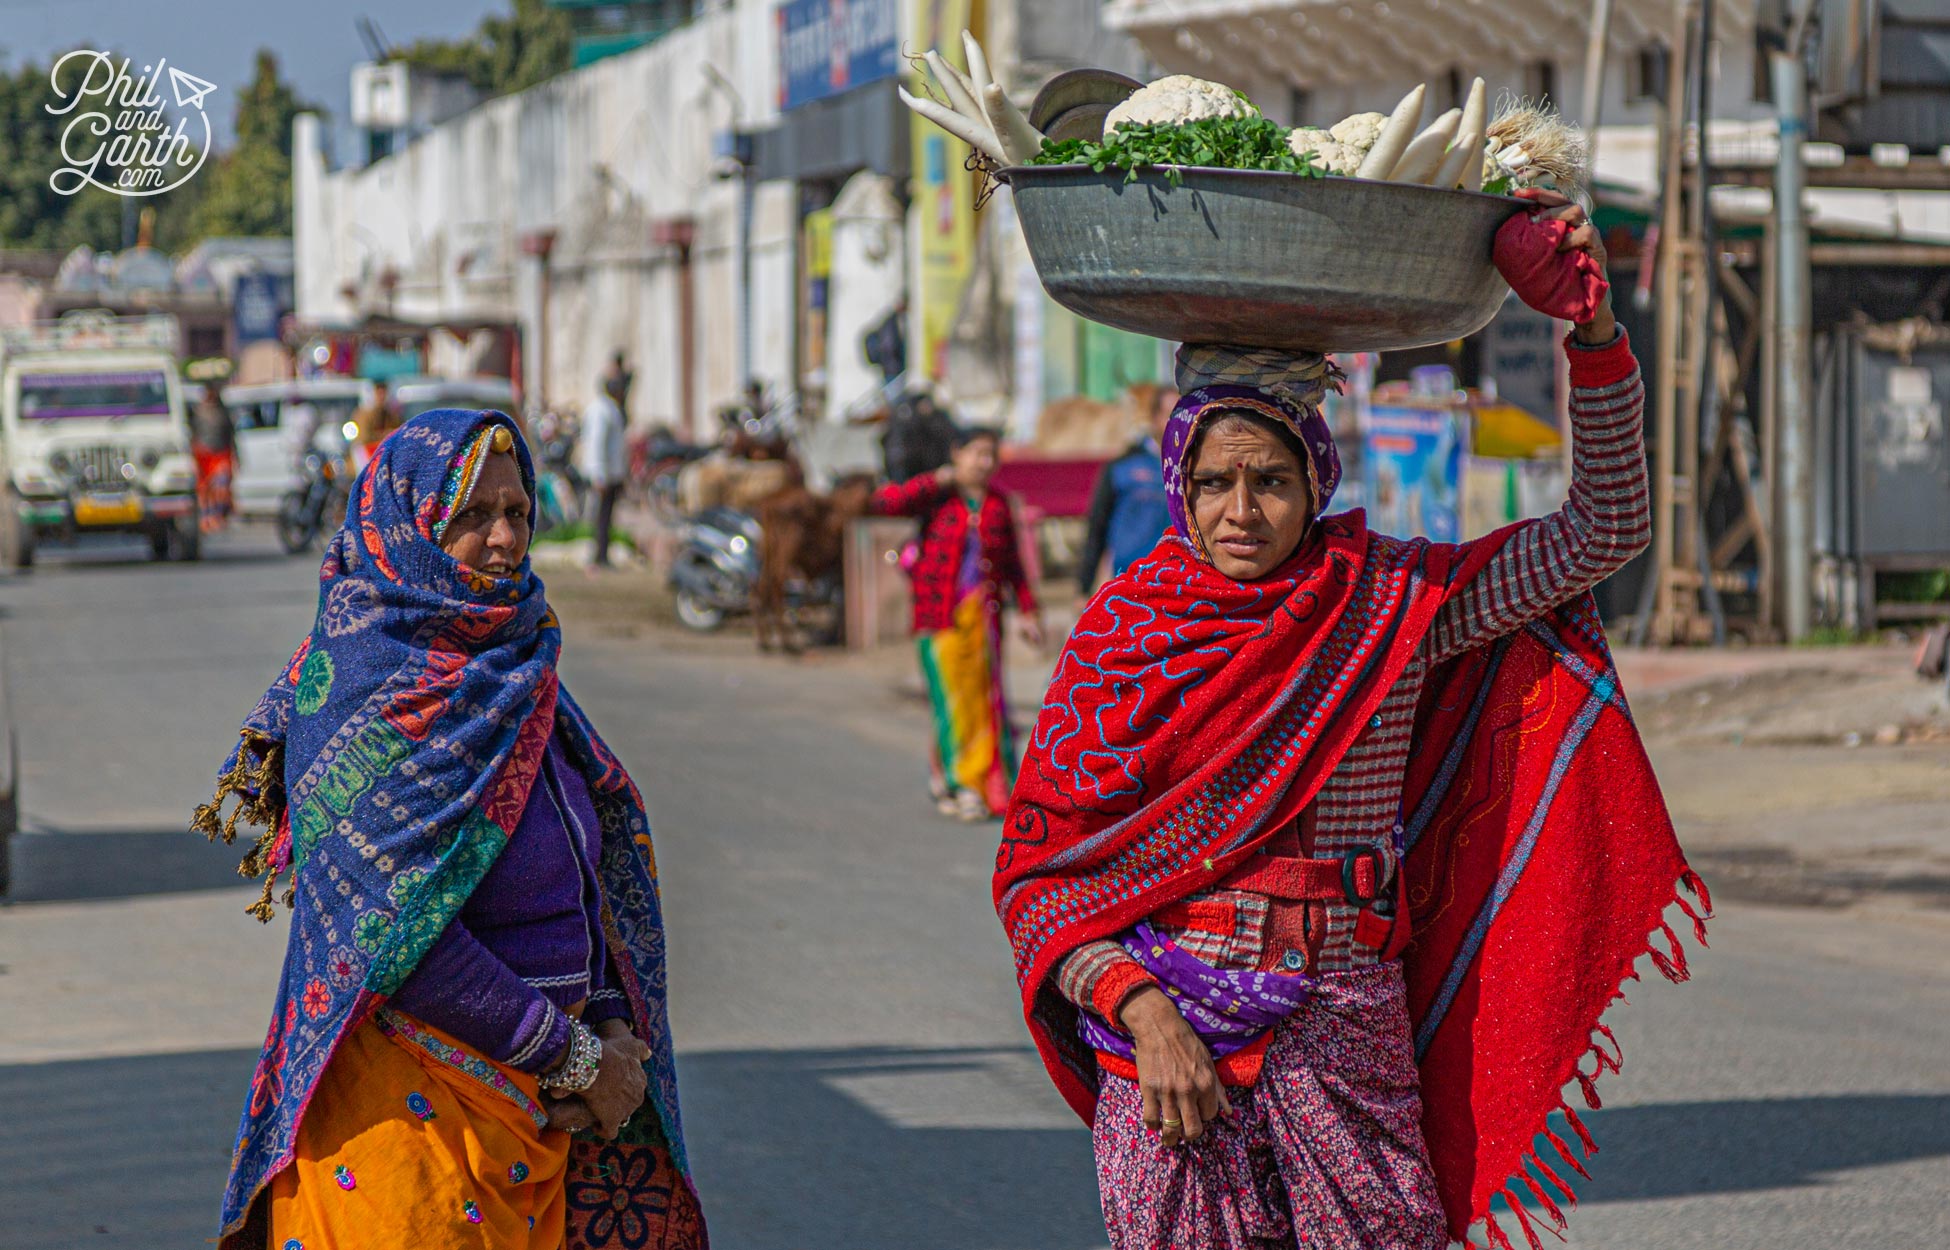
[577, 1071]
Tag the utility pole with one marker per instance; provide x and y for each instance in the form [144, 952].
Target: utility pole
[1594, 77]
[1791, 351]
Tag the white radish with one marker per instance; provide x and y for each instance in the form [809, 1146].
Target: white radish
[1467, 146]
[978, 64]
[1469, 138]
[1425, 152]
[1394, 138]
[960, 92]
[1019, 139]
[970, 131]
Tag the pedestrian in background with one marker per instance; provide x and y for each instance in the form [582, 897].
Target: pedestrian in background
[602, 457]
[375, 419]
[618, 380]
[966, 562]
[1127, 510]
[885, 345]
[213, 441]
[475, 966]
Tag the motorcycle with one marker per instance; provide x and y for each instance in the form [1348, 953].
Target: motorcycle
[317, 503]
[716, 568]
[560, 492]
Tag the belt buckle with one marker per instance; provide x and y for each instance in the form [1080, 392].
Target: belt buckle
[1349, 887]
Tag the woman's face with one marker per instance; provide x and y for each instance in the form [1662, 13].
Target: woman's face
[1249, 498]
[490, 535]
[974, 463]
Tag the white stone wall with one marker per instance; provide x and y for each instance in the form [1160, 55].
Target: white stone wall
[597, 156]
[1627, 142]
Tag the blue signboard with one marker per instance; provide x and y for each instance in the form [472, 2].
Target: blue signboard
[258, 302]
[830, 46]
[1411, 471]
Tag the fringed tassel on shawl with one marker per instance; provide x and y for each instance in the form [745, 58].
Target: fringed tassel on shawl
[1604, 1059]
[256, 778]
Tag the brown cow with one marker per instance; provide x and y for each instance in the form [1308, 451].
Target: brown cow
[1081, 426]
[801, 535]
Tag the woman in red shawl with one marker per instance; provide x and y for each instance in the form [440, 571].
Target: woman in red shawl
[1330, 848]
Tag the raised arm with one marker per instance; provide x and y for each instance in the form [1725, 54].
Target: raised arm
[1604, 523]
[914, 497]
[1555, 261]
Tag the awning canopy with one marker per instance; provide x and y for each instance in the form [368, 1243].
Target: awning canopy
[1327, 43]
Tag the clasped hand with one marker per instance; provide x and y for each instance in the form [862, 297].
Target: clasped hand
[605, 1106]
[1177, 1080]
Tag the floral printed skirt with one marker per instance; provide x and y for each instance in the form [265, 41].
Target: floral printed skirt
[413, 1139]
[1325, 1150]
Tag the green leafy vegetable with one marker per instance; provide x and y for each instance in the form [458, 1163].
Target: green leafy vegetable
[1503, 184]
[1213, 143]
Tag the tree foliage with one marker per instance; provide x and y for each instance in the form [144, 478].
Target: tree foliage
[508, 53]
[247, 190]
[32, 213]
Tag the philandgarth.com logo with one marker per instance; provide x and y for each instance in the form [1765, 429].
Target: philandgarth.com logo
[117, 137]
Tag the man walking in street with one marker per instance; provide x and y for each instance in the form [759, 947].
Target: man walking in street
[1127, 511]
[375, 419]
[618, 380]
[601, 459]
[885, 345]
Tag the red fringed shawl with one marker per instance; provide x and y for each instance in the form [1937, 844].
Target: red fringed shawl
[1191, 716]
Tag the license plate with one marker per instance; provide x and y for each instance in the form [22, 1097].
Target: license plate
[107, 510]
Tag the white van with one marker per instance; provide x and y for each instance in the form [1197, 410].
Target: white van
[94, 436]
[271, 421]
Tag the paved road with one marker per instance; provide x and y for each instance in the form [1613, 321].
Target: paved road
[854, 1073]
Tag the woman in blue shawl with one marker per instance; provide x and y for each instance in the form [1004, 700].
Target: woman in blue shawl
[469, 1045]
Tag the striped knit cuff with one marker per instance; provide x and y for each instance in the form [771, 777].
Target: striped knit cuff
[606, 1004]
[537, 1052]
[1115, 985]
[1604, 365]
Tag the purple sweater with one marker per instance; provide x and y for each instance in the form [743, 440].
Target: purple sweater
[529, 941]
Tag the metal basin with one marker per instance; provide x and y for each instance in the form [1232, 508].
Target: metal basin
[1264, 259]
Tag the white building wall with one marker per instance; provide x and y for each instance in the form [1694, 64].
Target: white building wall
[597, 156]
[1627, 142]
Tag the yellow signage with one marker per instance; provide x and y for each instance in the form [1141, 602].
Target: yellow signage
[819, 243]
[943, 193]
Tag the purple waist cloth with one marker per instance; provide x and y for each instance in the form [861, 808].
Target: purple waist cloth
[1227, 1007]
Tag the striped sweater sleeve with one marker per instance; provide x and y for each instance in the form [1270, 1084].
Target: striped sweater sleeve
[1098, 975]
[1605, 522]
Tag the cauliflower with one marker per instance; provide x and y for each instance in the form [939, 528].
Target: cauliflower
[1330, 153]
[1359, 131]
[1177, 100]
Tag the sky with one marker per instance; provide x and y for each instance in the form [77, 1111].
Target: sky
[317, 43]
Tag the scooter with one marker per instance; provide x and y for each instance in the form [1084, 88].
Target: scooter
[716, 572]
[317, 502]
[716, 568]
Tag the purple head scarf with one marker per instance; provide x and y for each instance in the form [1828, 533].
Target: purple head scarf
[1285, 386]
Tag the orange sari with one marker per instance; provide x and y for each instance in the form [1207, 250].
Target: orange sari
[413, 1139]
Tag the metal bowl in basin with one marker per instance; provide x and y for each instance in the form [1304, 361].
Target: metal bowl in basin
[1264, 259]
